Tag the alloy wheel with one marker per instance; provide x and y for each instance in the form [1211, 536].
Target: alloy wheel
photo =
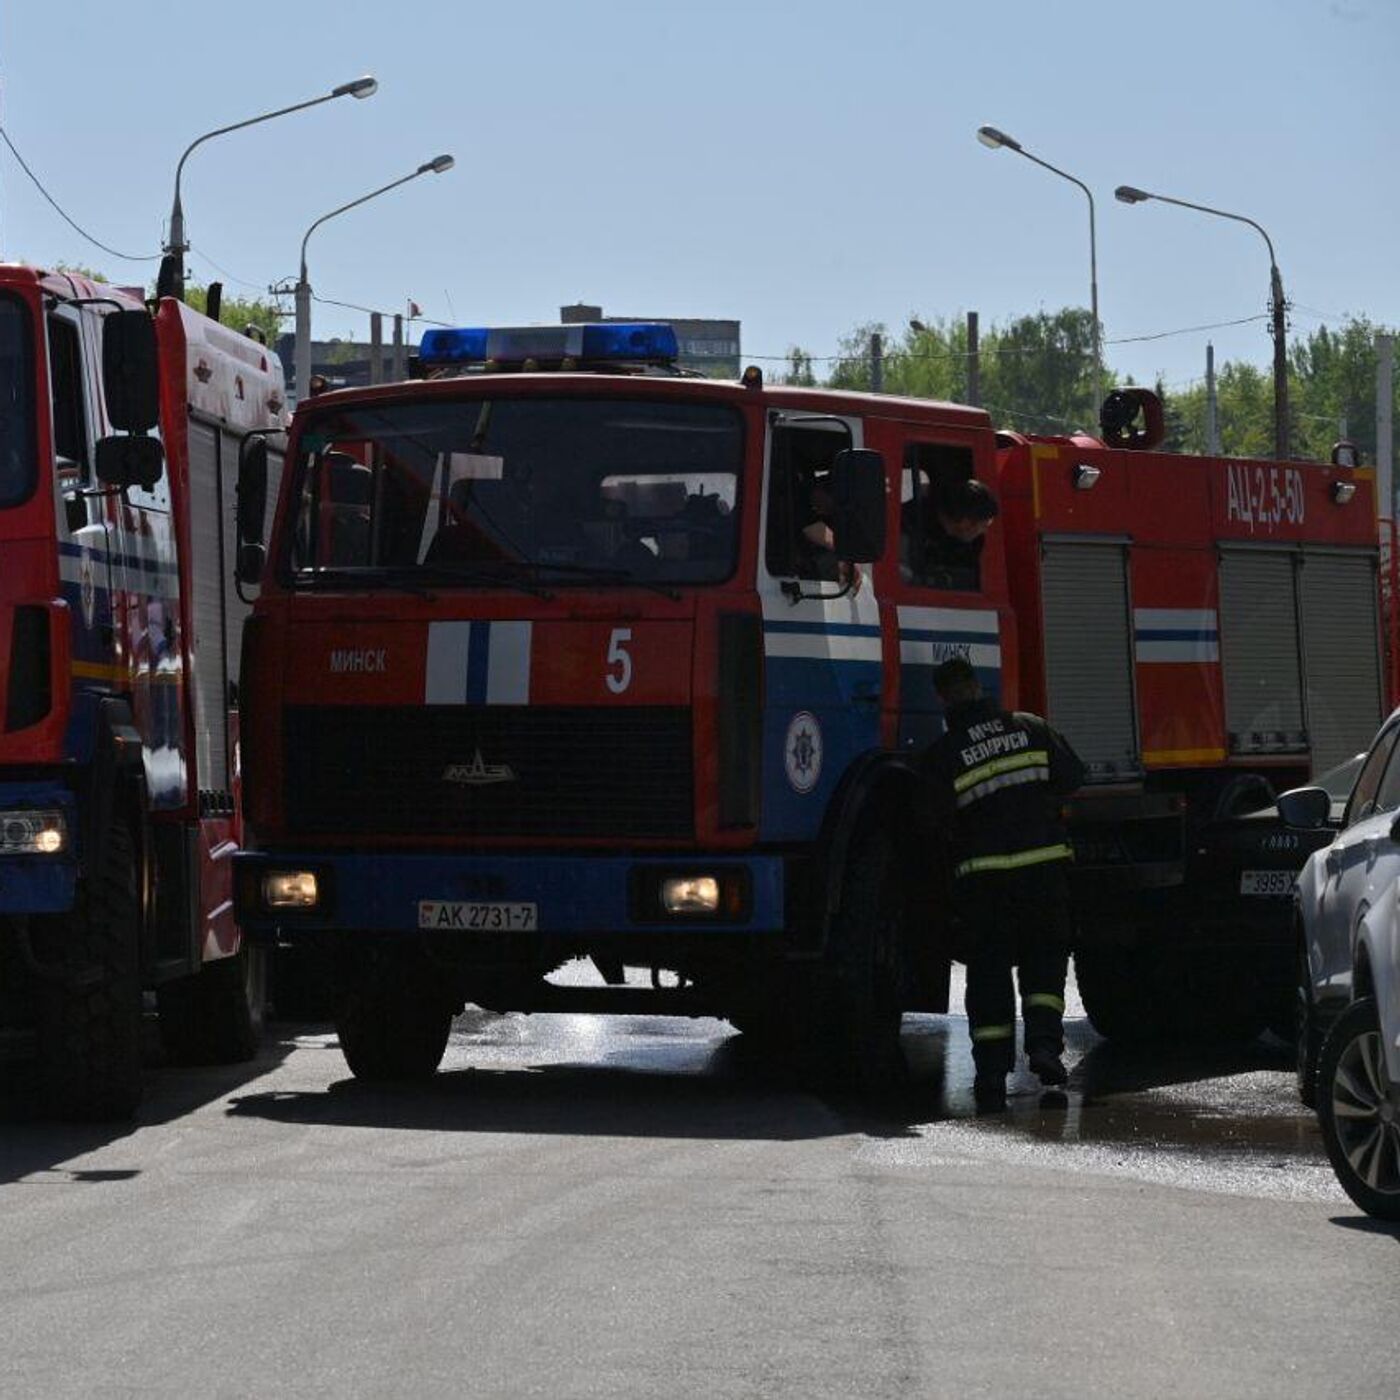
[1366, 1118]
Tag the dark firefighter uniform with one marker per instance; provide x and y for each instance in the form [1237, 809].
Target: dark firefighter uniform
[993, 785]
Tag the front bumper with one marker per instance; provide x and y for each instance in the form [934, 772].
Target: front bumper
[573, 894]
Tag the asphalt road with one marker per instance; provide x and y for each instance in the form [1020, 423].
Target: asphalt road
[627, 1207]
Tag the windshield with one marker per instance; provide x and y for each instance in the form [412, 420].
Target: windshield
[17, 453]
[567, 491]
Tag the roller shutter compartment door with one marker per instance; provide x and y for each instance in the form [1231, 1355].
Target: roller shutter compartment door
[1088, 654]
[1259, 652]
[1341, 657]
[207, 652]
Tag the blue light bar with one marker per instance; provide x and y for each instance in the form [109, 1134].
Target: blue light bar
[629, 340]
[648, 342]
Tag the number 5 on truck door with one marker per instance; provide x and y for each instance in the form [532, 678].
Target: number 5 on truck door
[621, 658]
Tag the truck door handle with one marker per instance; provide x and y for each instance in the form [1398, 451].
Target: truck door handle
[1331, 862]
[865, 694]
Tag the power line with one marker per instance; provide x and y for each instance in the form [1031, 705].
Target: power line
[1186, 330]
[375, 311]
[241, 281]
[96, 242]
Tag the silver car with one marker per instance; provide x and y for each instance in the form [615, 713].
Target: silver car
[1348, 907]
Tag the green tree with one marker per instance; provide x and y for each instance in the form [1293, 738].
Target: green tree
[799, 371]
[1038, 372]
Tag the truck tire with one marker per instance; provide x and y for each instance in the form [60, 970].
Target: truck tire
[299, 985]
[1215, 999]
[862, 1010]
[1120, 994]
[216, 1016]
[391, 1023]
[90, 1018]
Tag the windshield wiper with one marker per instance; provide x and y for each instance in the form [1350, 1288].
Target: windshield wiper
[503, 571]
[612, 575]
[392, 581]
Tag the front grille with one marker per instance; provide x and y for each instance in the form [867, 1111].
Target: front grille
[489, 770]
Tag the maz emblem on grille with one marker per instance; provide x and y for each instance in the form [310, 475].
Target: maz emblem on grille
[476, 773]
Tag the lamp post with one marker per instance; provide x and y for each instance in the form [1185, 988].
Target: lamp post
[990, 137]
[175, 244]
[436, 166]
[1127, 194]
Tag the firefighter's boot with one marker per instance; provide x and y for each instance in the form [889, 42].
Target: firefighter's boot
[1046, 1065]
[989, 1093]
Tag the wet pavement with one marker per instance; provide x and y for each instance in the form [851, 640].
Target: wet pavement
[630, 1206]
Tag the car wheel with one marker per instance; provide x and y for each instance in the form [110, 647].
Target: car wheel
[1360, 1112]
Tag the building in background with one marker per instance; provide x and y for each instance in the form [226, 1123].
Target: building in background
[709, 347]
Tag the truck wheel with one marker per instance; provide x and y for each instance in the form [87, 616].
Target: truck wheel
[1214, 1002]
[390, 1022]
[90, 1021]
[216, 1016]
[1309, 1035]
[299, 983]
[1359, 1125]
[1120, 994]
[862, 1005]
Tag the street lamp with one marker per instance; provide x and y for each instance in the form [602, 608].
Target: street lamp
[1127, 194]
[175, 243]
[436, 166]
[993, 139]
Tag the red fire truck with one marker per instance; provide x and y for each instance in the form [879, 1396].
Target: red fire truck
[119, 632]
[1208, 633]
[562, 653]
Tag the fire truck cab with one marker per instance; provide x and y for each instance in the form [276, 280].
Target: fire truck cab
[562, 653]
[119, 639]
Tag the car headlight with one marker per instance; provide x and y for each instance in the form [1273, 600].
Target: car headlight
[33, 833]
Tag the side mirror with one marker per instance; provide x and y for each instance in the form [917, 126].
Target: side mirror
[249, 566]
[130, 461]
[252, 491]
[130, 380]
[1306, 808]
[858, 522]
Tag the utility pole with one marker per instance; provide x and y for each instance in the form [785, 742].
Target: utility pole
[974, 363]
[1385, 426]
[1212, 407]
[1279, 307]
[376, 348]
[399, 360]
[877, 364]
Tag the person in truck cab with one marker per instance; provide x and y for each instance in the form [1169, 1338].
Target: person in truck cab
[816, 542]
[955, 518]
[992, 787]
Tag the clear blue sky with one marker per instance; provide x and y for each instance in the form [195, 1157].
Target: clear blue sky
[802, 167]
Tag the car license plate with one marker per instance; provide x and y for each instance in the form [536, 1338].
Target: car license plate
[1267, 882]
[484, 916]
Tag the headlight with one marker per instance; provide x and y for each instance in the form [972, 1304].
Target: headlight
[690, 894]
[33, 833]
[290, 889]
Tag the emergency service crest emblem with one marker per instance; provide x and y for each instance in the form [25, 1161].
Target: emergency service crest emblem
[802, 751]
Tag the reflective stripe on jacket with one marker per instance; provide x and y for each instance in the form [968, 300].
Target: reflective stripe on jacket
[993, 784]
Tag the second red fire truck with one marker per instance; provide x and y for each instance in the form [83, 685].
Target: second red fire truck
[545, 666]
[119, 645]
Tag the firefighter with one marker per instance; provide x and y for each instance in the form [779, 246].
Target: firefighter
[991, 785]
